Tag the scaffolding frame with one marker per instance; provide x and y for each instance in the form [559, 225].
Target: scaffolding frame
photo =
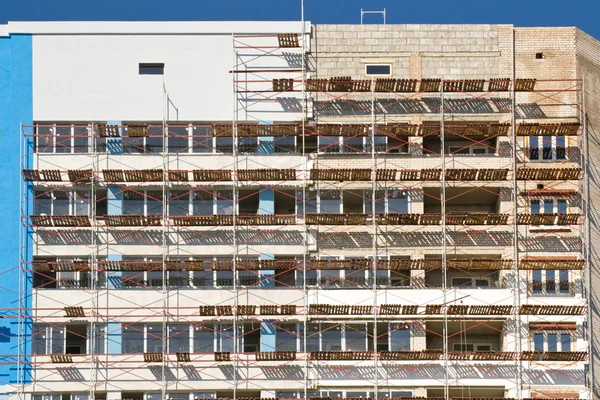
[238, 359]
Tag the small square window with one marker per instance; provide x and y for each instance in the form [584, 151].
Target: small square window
[539, 56]
[152, 69]
[378, 69]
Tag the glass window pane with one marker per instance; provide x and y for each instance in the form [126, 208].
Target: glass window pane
[535, 206]
[552, 342]
[133, 145]
[399, 337]
[398, 202]
[549, 206]
[330, 201]
[60, 202]
[285, 144]
[547, 147]
[224, 202]
[133, 203]
[561, 206]
[82, 203]
[203, 203]
[44, 140]
[561, 150]
[42, 203]
[536, 281]
[99, 335]
[538, 342]
[564, 282]
[63, 139]
[356, 337]
[462, 283]
[565, 342]
[331, 278]
[225, 338]
[179, 338]
[534, 144]
[154, 338]
[154, 203]
[58, 340]
[329, 144]
[353, 145]
[178, 279]
[202, 139]
[132, 340]
[202, 279]
[286, 337]
[179, 202]
[550, 282]
[247, 144]
[312, 337]
[80, 139]
[154, 141]
[224, 144]
[39, 339]
[204, 338]
[177, 138]
[331, 337]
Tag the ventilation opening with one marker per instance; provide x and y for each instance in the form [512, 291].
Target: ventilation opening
[539, 56]
[152, 69]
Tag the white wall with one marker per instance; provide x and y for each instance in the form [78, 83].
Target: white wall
[94, 76]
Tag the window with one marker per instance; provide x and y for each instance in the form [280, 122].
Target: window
[355, 336]
[62, 138]
[152, 68]
[98, 333]
[399, 337]
[471, 282]
[470, 347]
[202, 139]
[204, 339]
[154, 338]
[132, 339]
[378, 69]
[178, 140]
[466, 149]
[286, 337]
[48, 339]
[387, 201]
[57, 202]
[547, 148]
[552, 341]
[544, 282]
[179, 338]
[549, 206]
[142, 202]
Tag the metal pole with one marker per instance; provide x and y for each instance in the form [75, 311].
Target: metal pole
[234, 223]
[444, 257]
[374, 227]
[304, 226]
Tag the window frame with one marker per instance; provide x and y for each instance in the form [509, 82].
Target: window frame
[73, 136]
[544, 283]
[540, 149]
[559, 342]
[474, 280]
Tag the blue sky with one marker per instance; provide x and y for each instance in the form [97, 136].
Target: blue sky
[581, 13]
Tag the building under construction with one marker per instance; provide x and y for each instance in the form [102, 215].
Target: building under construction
[284, 210]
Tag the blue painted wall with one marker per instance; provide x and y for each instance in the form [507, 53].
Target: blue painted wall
[16, 107]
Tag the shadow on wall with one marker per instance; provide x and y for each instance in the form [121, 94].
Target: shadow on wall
[543, 243]
[351, 240]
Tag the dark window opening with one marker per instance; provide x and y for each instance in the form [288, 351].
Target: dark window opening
[378, 69]
[539, 56]
[152, 69]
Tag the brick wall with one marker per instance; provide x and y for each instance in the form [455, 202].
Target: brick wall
[588, 68]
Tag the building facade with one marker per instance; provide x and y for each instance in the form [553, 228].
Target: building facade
[286, 210]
